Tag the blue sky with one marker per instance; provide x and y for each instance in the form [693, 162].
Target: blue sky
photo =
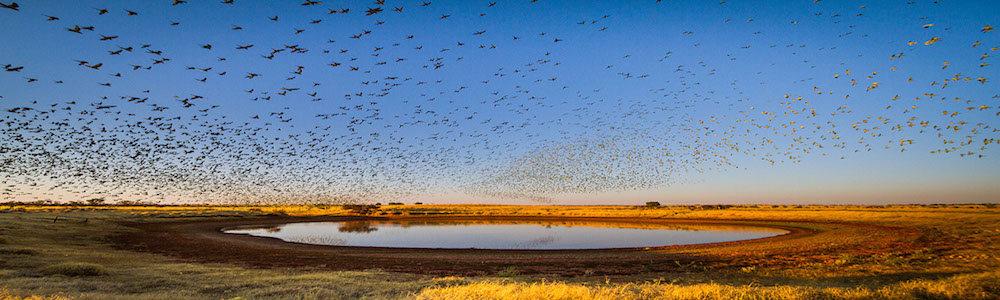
[676, 100]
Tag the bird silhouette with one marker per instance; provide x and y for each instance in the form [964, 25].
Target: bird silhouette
[12, 5]
[529, 112]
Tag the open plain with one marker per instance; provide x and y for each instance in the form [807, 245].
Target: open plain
[831, 252]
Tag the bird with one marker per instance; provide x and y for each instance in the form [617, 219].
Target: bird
[12, 5]
[406, 114]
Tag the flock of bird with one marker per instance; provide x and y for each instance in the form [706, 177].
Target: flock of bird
[353, 102]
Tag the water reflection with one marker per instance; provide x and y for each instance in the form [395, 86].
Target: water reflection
[505, 234]
[535, 243]
[357, 227]
[318, 240]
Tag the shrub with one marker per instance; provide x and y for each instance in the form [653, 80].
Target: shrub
[508, 272]
[845, 259]
[893, 260]
[652, 204]
[95, 201]
[712, 207]
[361, 209]
[74, 269]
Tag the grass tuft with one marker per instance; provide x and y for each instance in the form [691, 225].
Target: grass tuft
[73, 269]
[508, 272]
[6, 295]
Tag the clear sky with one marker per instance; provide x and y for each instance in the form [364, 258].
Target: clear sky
[613, 102]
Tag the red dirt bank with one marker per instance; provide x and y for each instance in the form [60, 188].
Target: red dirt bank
[203, 241]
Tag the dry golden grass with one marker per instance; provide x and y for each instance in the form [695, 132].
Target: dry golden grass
[972, 286]
[5, 295]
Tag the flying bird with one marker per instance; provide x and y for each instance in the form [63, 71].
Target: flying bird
[12, 5]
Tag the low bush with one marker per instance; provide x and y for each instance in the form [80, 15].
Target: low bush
[361, 209]
[508, 272]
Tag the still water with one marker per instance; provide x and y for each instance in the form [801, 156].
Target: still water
[492, 234]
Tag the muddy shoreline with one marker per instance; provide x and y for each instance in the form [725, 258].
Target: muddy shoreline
[203, 241]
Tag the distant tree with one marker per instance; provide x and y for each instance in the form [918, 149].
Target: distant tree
[417, 203]
[95, 201]
[361, 209]
[652, 204]
[709, 207]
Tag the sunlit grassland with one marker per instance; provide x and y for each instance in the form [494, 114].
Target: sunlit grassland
[64, 251]
[974, 286]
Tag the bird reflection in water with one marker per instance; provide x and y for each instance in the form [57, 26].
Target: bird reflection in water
[535, 242]
[319, 240]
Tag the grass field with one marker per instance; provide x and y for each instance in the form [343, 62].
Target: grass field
[917, 252]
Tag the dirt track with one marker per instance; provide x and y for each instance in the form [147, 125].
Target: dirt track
[203, 241]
